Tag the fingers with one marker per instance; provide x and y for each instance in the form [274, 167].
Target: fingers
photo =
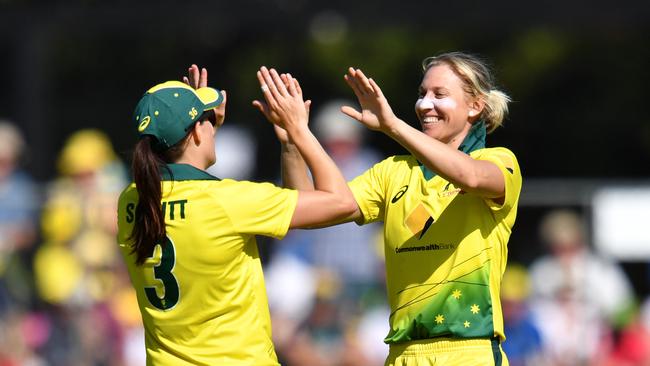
[363, 82]
[264, 84]
[220, 110]
[222, 106]
[376, 88]
[268, 84]
[286, 80]
[261, 106]
[196, 78]
[352, 82]
[203, 78]
[296, 85]
[279, 84]
[261, 80]
[352, 112]
[291, 85]
[308, 105]
[193, 76]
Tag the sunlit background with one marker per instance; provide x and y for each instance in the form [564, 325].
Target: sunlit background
[577, 71]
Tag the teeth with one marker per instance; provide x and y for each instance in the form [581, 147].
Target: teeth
[430, 119]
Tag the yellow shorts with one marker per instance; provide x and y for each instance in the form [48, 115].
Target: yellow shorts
[447, 352]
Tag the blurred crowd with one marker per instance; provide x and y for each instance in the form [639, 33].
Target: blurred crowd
[65, 296]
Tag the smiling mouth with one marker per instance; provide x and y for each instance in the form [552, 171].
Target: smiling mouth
[430, 120]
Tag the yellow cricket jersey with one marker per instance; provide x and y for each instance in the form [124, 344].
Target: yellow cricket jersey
[201, 293]
[445, 249]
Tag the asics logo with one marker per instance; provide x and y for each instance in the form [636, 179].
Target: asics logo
[400, 193]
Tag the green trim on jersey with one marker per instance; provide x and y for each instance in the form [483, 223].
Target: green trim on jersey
[474, 140]
[181, 172]
[445, 249]
[457, 307]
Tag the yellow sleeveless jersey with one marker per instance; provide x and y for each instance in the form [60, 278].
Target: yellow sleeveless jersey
[445, 249]
[201, 293]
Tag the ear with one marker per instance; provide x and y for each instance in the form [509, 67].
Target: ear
[196, 135]
[476, 107]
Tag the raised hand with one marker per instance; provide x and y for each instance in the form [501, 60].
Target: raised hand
[198, 78]
[284, 105]
[280, 132]
[375, 113]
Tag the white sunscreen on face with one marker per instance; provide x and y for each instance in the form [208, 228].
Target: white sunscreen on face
[424, 103]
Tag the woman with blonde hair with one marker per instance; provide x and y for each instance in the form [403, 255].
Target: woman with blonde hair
[448, 209]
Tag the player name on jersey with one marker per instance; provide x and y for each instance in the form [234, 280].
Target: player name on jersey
[176, 209]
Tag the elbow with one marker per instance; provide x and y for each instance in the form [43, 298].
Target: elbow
[470, 180]
[351, 206]
[470, 184]
[347, 206]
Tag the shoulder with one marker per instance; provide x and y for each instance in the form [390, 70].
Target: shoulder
[391, 166]
[231, 184]
[493, 151]
[399, 162]
[129, 192]
[499, 155]
[243, 190]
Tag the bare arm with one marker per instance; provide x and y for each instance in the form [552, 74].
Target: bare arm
[331, 201]
[478, 177]
[295, 174]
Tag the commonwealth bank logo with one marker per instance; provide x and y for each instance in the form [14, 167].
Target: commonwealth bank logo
[419, 220]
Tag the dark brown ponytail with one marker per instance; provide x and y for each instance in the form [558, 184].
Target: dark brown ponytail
[149, 228]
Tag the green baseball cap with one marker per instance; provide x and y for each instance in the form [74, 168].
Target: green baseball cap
[168, 110]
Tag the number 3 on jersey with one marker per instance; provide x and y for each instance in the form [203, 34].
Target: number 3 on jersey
[163, 272]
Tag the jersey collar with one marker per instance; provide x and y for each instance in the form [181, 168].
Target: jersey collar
[474, 140]
[179, 172]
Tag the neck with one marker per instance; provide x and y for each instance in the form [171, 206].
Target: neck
[455, 141]
[190, 159]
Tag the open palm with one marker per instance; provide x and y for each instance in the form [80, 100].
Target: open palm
[376, 113]
[273, 115]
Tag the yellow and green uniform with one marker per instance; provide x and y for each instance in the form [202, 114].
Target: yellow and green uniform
[445, 249]
[201, 293]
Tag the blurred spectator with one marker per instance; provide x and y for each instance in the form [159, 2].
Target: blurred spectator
[632, 347]
[19, 202]
[523, 344]
[20, 335]
[75, 263]
[578, 295]
[235, 149]
[78, 272]
[339, 269]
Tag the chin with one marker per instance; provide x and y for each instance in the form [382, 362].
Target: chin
[431, 132]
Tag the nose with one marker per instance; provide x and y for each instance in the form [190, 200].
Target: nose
[424, 103]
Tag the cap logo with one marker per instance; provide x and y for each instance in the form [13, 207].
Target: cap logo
[193, 113]
[145, 122]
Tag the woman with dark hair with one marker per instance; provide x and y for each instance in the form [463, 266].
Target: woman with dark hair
[188, 238]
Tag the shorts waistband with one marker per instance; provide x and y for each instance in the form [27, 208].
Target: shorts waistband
[438, 345]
